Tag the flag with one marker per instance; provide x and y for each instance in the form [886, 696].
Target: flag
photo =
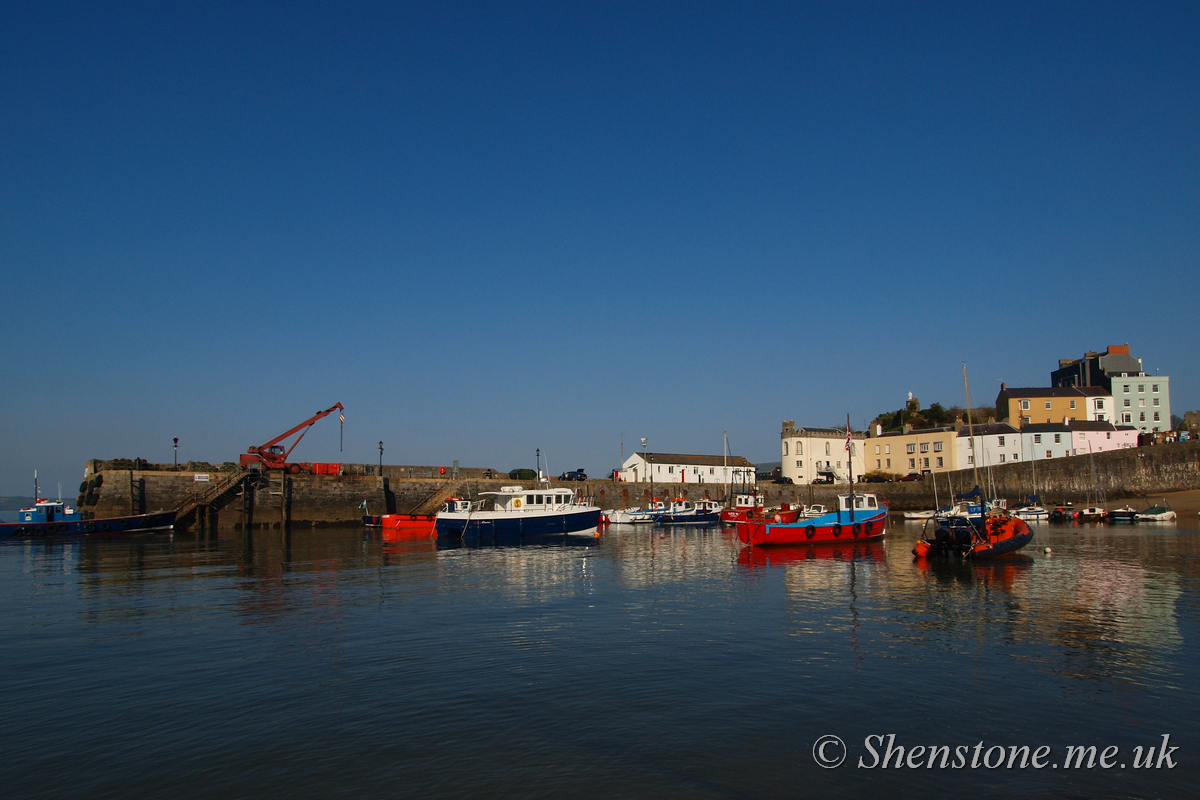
[363, 507]
[847, 438]
[341, 417]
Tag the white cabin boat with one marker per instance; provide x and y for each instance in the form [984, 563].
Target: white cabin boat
[517, 511]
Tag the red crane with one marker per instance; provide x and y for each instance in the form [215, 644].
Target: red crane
[273, 455]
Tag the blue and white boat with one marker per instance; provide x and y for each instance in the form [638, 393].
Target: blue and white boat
[685, 512]
[55, 518]
[517, 511]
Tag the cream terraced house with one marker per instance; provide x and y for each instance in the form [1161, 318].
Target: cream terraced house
[811, 455]
[926, 450]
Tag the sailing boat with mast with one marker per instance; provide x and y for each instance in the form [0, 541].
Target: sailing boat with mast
[860, 517]
[997, 534]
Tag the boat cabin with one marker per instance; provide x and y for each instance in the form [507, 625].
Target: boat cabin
[518, 499]
[748, 502]
[48, 511]
[862, 502]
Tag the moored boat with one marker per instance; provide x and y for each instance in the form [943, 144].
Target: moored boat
[1123, 514]
[1160, 513]
[1090, 514]
[685, 512]
[861, 516]
[920, 514]
[998, 535]
[1031, 513]
[55, 518]
[517, 511]
[745, 504]
[628, 516]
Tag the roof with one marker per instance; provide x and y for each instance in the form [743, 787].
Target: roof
[1043, 391]
[1093, 391]
[915, 432]
[1045, 427]
[696, 461]
[989, 429]
[1090, 425]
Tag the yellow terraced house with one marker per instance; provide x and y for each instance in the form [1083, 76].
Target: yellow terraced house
[1042, 405]
[929, 450]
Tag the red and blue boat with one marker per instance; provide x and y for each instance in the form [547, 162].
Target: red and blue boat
[55, 518]
[860, 517]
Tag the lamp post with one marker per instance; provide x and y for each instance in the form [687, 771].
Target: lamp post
[381, 459]
[645, 461]
[538, 463]
[176, 452]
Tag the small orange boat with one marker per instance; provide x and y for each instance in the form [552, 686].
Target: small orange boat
[999, 535]
[407, 526]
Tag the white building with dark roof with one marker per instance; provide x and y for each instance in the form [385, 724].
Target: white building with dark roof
[680, 468]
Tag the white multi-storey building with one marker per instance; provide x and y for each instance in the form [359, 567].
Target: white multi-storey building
[818, 455]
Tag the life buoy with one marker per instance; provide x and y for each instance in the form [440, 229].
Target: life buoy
[89, 527]
[837, 530]
[517, 503]
[857, 529]
[103, 526]
[810, 531]
[62, 526]
[441, 470]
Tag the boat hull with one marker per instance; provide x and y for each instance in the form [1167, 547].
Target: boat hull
[822, 530]
[409, 525]
[688, 518]
[489, 524]
[109, 526]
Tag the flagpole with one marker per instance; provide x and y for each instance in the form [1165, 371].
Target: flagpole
[850, 468]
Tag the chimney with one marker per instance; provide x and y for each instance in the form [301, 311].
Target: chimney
[878, 429]
[908, 427]
[1118, 349]
[958, 424]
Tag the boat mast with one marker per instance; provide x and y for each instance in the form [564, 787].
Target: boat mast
[850, 466]
[971, 426]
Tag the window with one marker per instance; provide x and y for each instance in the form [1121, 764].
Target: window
[876, 449]
[1002, 441]
[1081, 436]
[1099, 405]
[1142, 417]
[1024, 405]
[1016, 457]
[912, 463]
[924, 447]
[1047, 404]
[939, 462]
[1141, 388]
[1108, 435]
[839, 465]
[1037, 438]
[889, 463]
[887, 448]
[1156, 401]
[713, 470]
[1049, 454]
[1154, 387]
[970, 459]
[1126, 388]
[1126, 418]
[925, 462]
[912, 448]
[827, 448]
[937, 447]
[670, 470]
[1156, 416]
[785, 448]
[1025, 420]
[799, 448]
[877, 463]
[1058, 438]
[1072, 404]
[1141, 402]
[1127, 402]
[1002, 458]
[799, 463]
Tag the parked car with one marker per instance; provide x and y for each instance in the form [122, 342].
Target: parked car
[876, 479]
[573, 475]
[783, 479]
[913, 476]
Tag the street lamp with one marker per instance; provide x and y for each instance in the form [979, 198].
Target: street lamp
[645, 461]
[381, 459]
[176, 452]
[538, 454]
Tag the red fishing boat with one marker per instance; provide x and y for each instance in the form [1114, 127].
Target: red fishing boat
[861, 517]
[998, 535]
[407, 525]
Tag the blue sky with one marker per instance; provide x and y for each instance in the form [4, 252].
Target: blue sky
[490, 228]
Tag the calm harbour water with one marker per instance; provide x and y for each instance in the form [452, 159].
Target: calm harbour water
[333, 664]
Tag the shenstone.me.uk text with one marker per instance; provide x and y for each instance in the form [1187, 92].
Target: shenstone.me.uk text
[883, 752]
